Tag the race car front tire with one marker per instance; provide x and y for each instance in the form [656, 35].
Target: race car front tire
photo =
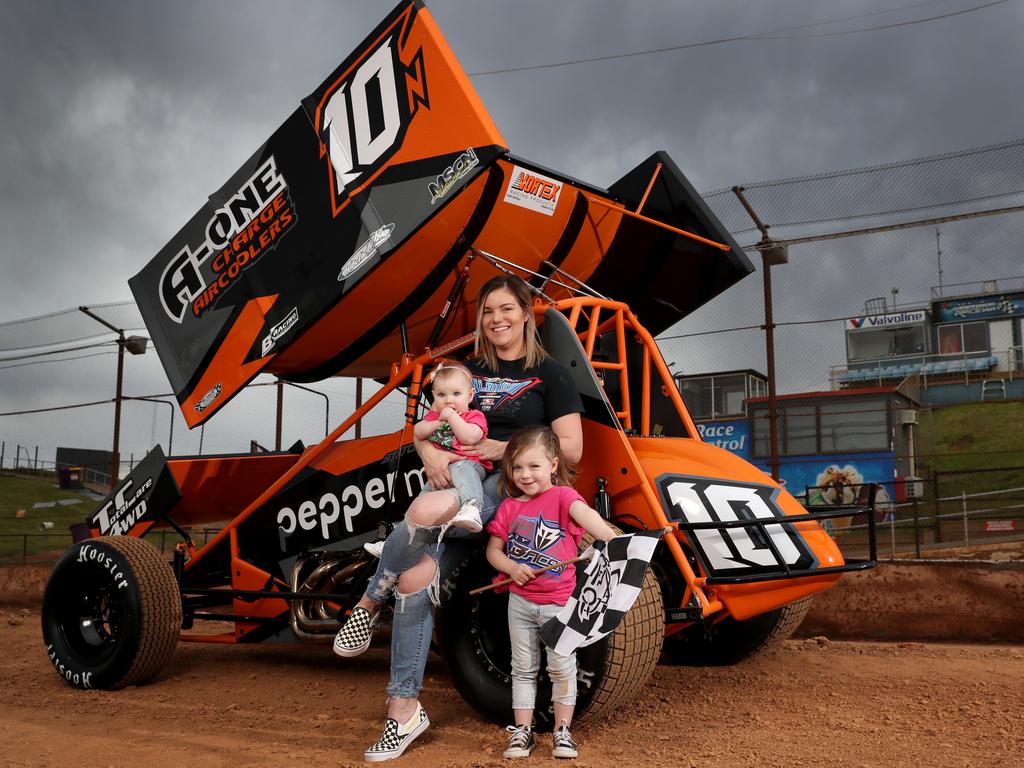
[472, 634]
[730, 641]
[111, 613]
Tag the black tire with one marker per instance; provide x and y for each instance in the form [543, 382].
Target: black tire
[730, 641]
[472, 632]
[111, 613]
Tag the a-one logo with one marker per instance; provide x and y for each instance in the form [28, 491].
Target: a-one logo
[447, 179]
[208, 398]
[535, 191]
[739, 549]
[237, 234]
[278, 331]
[366, 251]
[364, 115]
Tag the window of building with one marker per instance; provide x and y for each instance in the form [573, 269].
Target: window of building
[829, 427]
[963, 337]
[799, 430]
[730, 393]
[885, 342]
[854, 426]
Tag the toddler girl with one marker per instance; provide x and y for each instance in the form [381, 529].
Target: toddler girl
[537, 528]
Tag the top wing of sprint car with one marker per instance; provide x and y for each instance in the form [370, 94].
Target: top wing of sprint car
[341, 242]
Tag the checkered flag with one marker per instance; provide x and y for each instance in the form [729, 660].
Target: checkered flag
[610, 585]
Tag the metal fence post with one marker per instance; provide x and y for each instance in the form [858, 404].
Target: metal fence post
[917, 533]
[935, 506]
[963, 501]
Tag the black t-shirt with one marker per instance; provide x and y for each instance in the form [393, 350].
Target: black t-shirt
[515, 397]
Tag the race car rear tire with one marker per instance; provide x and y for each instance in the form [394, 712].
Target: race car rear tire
[730, 641]
[472, 633]
[111, 613]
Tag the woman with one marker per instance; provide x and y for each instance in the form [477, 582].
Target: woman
[517, 385]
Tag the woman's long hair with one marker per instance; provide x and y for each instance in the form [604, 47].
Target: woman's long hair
[544, 437]
[484, 348]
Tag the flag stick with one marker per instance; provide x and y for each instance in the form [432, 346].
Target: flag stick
[505, 582]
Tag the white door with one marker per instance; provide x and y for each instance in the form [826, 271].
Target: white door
[1001, 340]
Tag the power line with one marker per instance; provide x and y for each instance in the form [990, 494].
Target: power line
[768, 35]
[60, 360]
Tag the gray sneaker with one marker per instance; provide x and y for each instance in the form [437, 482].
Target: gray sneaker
[563, 744]
[520, 741]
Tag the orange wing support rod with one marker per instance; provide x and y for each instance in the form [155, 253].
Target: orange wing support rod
[663, 225]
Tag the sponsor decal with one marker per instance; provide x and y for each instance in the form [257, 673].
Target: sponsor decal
[117, 516]
[366, 251]
[364, 115]
[249, 225]
[444, 349]
[1000, 306]
[90, 554]
[322, 514]
[278, 331]
[882, 321]
[447, 179]
[208, 398]
[535, 191]
[730, 435]
[734, 550]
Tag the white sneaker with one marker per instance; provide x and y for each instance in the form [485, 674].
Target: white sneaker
[563, 744]
[397, 737]
[468, 517]
[375, 548]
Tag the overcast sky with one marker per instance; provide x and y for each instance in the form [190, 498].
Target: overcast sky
[117, 119]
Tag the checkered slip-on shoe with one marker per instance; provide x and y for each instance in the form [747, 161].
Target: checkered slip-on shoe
[520, 741]
[355, 634]
[563, 744]
[468, 517]
[396, 738]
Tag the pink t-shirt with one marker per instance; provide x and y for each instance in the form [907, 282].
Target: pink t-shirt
[445, 439]
[539, 532]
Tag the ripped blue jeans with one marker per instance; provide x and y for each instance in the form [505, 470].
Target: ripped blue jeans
[414, 620]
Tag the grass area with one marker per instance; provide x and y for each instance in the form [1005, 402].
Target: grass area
[19, 492]
[971, 440]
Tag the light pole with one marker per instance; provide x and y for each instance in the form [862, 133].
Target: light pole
[771, 255]
[136, 345]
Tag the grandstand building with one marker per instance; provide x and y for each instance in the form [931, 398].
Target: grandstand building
[956, 348]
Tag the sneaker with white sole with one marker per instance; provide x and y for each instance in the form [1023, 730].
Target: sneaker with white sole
[375, 548]
[468, 517]
[355, 634]
[563, 744]
[520, 741]
[396, 737]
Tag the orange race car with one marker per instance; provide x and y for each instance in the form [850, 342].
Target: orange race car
[352, 243]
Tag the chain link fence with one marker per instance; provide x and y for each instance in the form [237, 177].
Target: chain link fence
[861, 241]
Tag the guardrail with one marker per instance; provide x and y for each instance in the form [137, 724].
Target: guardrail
[47, 547]
[948, 522]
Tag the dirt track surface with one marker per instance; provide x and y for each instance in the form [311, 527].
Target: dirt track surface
[810, 702]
